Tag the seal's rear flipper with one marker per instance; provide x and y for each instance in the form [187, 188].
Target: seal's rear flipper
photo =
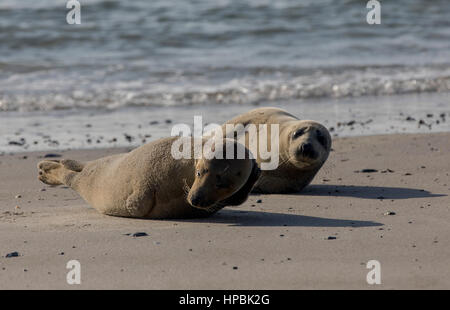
[55, 172]
[72, 165]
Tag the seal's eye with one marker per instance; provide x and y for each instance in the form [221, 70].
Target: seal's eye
[321, 138]
[197, 173]
[298, 133]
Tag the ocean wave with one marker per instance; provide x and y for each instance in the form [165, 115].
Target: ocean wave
[200, 52]
[94, 90]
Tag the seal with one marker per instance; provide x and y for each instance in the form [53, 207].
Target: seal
[304, 146]
[149, 183]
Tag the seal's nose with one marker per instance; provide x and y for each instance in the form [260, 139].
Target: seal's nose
[195, 201]
[307, 150]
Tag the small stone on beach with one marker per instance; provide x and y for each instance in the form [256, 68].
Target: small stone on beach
[139, 234]
[52, 155]
[369, 170]
[128, 137]
[12, 254]
[18, 143]
[389, 213]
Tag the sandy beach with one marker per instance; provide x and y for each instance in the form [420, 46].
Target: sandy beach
[86, 79]
[397, 212]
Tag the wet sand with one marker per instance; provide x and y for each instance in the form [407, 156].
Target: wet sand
[379, 198]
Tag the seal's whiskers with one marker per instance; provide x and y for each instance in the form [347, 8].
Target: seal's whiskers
[186, 187]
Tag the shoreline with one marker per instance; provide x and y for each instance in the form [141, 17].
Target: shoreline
[321, 238]
[130, 127]
[121, 149]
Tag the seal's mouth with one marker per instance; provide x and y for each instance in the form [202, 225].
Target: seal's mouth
[198, 202]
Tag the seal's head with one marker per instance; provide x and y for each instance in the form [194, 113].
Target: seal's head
[309, 144]
[222, 181]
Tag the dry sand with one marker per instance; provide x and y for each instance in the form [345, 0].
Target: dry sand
[279, 243]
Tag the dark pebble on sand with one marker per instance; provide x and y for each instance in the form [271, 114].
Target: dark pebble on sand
[369, 170]
[52, 155]
[389, 213]
[128, 137]
[259, 201]
[153, 122]
[366, 171]
[235, 267]
[12, 254]
[387, 170]
[331, 238]
[140, 234]
[422, 122]
[168, 121]
[18, 143]
[409, 119]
